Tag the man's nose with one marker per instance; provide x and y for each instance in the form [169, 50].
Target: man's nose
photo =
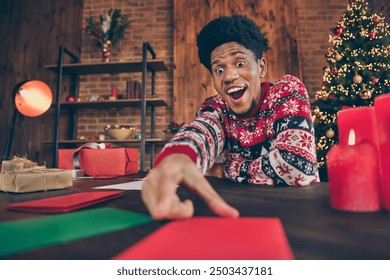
[230, 74]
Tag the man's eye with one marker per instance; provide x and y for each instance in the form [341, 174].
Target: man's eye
[240, 63]
[219, 70]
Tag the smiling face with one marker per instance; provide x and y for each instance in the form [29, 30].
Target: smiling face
[237, 76]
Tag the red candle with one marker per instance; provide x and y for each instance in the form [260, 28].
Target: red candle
[114, 92]
[353, 174]
[382, 109]
[362, 120]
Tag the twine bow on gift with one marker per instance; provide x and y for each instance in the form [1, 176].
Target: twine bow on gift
[17, 163]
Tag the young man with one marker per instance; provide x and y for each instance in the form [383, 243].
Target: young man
[263, 130]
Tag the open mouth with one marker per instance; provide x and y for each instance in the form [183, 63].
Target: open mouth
[236, 92]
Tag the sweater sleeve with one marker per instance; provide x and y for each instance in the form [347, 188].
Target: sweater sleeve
[202, 139]
[291, 156]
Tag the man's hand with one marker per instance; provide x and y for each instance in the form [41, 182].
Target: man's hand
[159, 190]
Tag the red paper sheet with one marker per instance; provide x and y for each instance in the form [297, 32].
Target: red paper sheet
[65, 203]
[212, 238]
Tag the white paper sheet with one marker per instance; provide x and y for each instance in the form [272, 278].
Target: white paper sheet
[135, 185]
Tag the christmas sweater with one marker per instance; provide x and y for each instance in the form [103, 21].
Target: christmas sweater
[274, 145]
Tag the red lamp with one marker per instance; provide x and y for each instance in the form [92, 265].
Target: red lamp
[32, 99]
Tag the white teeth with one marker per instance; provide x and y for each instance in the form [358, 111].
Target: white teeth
[235, 89]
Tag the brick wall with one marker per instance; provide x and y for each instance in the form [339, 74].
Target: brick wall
[317, 19]
[153, 21]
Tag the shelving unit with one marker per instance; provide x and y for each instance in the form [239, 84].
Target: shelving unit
[76, 68]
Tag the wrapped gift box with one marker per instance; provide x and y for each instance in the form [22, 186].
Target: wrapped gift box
[101, 162]
[35, 179]
[17, 164]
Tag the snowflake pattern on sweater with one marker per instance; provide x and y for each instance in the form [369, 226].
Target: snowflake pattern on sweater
[274, 146]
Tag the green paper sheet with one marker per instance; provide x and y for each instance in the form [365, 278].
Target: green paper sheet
[25, 235]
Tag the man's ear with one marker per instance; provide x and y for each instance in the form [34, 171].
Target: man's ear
[262, 62]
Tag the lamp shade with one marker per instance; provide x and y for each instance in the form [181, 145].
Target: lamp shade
[33, 98]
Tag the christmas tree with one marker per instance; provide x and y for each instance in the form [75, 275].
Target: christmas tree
[357, 71]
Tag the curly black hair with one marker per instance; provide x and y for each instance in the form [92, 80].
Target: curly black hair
[225, 29]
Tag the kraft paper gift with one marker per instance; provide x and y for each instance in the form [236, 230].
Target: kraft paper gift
[35, 179]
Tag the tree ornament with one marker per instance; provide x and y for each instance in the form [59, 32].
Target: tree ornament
[365, 94]
[372, 34]
[376, 19]
[338, 31]
[330, 133]
[357, 79]
[335, 71]
[70, 98]
[338, 57]
[106, 50]
[374, 80]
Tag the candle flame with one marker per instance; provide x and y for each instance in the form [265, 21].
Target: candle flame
[351, 138]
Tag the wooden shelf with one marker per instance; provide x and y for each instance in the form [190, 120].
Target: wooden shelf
[76, 68]
[107, 67]
[112, 104]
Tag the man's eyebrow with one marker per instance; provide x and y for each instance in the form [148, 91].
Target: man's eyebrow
[216, 61]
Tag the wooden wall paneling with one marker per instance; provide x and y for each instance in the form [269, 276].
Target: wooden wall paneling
[281, 22]
[192, 82]
[30, 34]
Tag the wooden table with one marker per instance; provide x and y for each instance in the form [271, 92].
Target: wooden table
[314, 229]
